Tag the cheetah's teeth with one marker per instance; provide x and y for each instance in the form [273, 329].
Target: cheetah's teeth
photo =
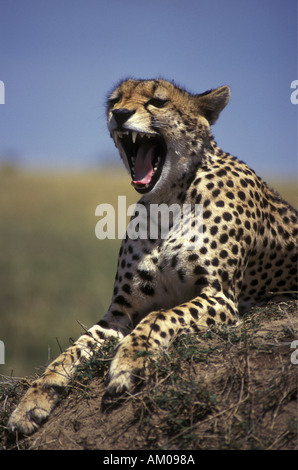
[134, 136]
[117, 135]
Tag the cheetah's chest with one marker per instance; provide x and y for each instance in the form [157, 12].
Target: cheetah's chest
[162, 277]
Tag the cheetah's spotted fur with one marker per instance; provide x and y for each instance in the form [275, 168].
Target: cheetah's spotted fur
[248, 247]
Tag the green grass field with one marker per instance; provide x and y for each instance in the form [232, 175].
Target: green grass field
[53, 269]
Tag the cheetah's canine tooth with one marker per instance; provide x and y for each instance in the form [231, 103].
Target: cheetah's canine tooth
[134, 135]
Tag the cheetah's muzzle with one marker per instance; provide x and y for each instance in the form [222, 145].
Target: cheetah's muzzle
[145, 154]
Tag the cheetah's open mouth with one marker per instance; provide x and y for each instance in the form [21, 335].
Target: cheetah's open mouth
[145, 154]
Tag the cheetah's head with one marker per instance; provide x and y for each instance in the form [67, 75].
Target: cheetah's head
[160, 129]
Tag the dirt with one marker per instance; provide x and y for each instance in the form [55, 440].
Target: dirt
[222, 389]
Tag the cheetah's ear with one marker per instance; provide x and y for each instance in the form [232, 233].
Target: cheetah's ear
[212, 102]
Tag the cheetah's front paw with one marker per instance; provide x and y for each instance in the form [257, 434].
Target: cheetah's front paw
[127, 372]
[34, 408]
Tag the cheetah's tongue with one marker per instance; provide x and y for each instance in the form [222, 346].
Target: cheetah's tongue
[143, 169]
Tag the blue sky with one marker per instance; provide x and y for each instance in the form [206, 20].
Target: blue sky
[60, 58]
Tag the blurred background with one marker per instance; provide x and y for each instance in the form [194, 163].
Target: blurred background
[58, 61]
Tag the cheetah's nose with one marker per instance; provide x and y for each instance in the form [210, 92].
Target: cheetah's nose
[121, 115]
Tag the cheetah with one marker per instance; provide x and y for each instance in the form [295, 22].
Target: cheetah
[167, 286]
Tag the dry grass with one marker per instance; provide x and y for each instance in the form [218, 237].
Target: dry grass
[224, 389]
